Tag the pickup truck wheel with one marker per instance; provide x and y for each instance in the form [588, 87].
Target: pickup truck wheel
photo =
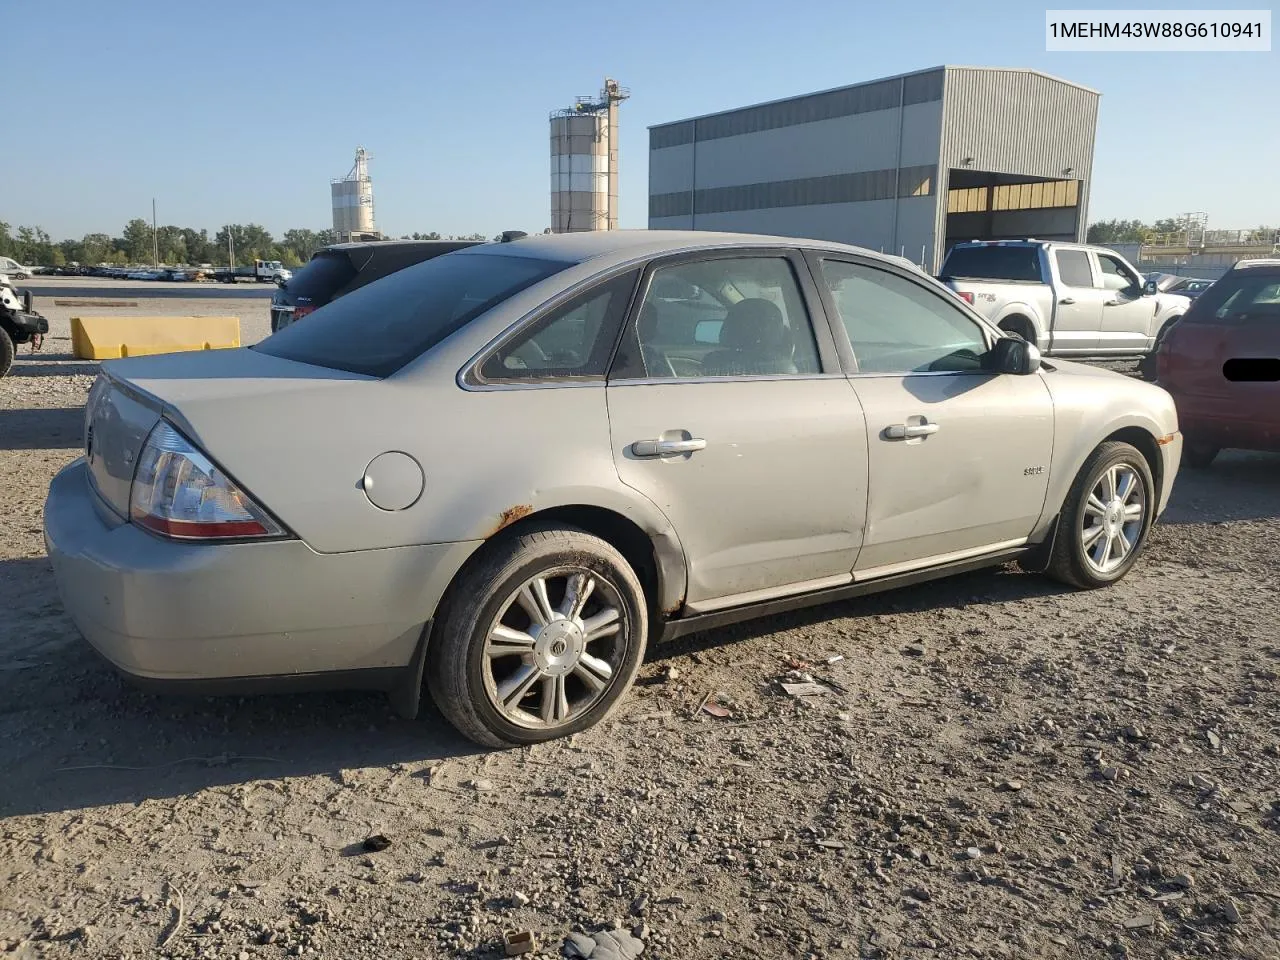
[1106, 518]
[7, 352]
[1149, 364]
[539, 638]
[1019, 327]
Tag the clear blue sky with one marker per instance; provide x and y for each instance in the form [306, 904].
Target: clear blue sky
[243, 111]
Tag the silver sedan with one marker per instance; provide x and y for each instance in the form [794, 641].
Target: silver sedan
[507, 470]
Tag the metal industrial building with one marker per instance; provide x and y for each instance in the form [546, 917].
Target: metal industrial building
[908, 165]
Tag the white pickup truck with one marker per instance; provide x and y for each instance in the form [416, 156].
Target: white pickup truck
[1067, 298]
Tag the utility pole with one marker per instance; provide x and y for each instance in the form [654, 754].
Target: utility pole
[231, 249]
[155, 236]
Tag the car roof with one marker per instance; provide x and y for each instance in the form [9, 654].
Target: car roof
[621, 246]
[385, 244]
[1260, 263]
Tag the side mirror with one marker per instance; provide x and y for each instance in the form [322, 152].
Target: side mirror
[1012, 355]
[1150, 288]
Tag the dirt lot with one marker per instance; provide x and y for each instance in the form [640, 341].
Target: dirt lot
[1002, 768]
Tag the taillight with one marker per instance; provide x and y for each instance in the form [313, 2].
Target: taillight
[966, 296]
[300, 312]
[177, 492]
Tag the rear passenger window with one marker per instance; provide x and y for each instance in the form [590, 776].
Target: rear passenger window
[726, 317]
[573, 341]
[1073, 268]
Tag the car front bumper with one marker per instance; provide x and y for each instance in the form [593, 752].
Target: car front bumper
[1171, 455]
[182, 613]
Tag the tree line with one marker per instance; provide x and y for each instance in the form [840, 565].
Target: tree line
[176, 246]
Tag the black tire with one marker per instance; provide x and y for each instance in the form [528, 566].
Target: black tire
[1019, 327]
[7, 352]
[1148, 365]
[1068, 562]
[1198, 456]
[456, 667]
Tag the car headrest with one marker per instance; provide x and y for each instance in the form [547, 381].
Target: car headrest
[755, 325]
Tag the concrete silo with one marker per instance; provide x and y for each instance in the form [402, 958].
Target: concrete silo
[584, 163]
[353, 202]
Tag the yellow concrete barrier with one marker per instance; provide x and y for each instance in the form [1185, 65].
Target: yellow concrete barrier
[108, 338]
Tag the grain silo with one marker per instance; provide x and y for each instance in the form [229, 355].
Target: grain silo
[353, 202]
[584, 163]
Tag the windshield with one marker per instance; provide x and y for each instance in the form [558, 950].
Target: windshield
[379, 328]
[994, 263]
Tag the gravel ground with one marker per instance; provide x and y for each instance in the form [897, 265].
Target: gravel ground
[1002, 768]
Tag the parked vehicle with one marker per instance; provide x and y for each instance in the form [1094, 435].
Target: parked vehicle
[1189, 287]
[263, 271]
[19, 323]
[509, 468]
[1067, 298]
[338, 269]
[1221, 362]
[14, 270]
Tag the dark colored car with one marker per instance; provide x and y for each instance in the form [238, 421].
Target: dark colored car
[1221, 363]
[337, 270]
[1189, 287]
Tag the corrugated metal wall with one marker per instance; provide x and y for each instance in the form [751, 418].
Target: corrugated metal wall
[1017, 122]
[798, 166]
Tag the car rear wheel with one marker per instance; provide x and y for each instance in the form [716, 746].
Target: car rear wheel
[1198, 456]
[538, 639]
[1106, 518]
[7, 352]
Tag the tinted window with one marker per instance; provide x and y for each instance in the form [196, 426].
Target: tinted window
[379, 328]
[1115, 275]
[1073, 268]
[897, 326]
[727, 317]
[323, 276]
[994, 263]
[1238, 300]
[572, 341]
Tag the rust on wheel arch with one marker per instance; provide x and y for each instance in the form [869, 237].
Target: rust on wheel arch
[511, 515]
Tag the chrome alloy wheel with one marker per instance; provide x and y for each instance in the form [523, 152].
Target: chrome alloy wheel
[554, 647]
[1113, 518]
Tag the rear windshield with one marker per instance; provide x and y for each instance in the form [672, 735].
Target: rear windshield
[994, 263]
[325, 275]
[379, 328]
[1237, 299]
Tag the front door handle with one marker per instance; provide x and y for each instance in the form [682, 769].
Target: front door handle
[902, 431]
[1067, 301]
[1111, 303]
[667, 448]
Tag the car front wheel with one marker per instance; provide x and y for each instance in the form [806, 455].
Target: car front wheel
[1106, 518]
[538, 639]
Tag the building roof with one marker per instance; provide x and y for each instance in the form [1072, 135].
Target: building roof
[865, 83]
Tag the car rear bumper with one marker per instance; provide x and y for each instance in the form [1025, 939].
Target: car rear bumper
[1250, 424]
[231, 614]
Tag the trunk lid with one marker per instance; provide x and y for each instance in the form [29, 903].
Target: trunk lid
[130, 396]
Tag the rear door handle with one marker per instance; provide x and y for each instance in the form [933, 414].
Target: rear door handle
[1111, 303]
[902, 431]
[1067, 301]
[666, 448]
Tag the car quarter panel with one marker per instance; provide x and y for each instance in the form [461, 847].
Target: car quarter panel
[1090, 405]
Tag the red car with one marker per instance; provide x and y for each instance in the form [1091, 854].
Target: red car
[1221, 362]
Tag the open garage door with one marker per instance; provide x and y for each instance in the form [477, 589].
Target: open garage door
[1001, 206]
